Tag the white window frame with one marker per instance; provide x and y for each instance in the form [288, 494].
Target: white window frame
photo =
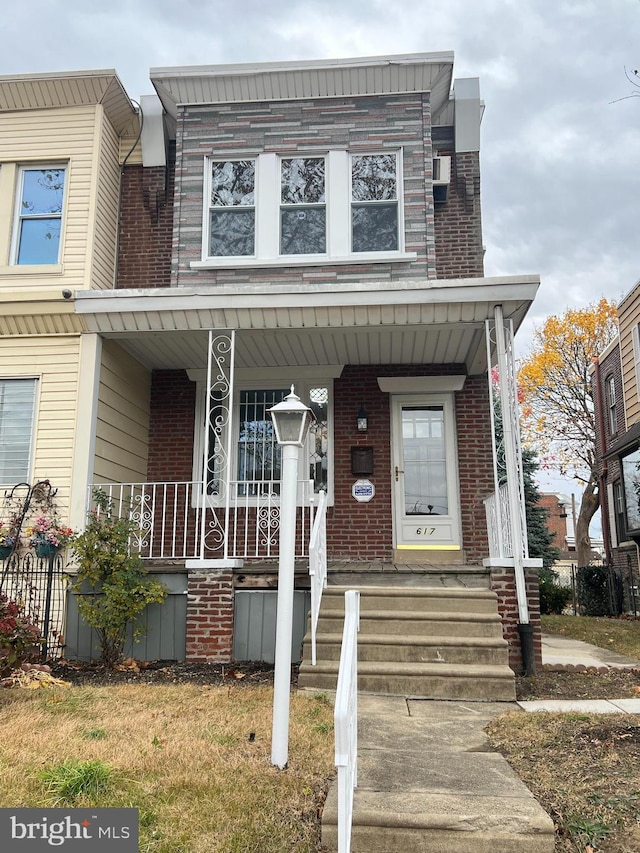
[267, 210]
[35, 380]
[282, 206]
[611, 406]
[263, 380]
[19, 216]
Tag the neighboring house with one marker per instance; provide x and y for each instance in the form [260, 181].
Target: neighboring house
[315, 224]
[63, 139]
[616, 379]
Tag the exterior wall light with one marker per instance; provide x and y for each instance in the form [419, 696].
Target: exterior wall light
[362, 420]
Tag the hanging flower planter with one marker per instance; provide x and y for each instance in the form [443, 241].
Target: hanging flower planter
[5, 551]
[46, 550]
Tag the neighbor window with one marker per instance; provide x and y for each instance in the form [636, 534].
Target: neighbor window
[611, 406]
[39, 215]
[17, 406]
[232, 218]
[374, 203]
[303, 226]
[619, 515]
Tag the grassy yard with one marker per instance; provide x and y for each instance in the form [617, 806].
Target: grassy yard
[194, 760]
[584, 770]
[619, 635]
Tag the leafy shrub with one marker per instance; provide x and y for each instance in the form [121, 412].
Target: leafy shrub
[117, 578]
[593, 591]
[553, 597]
[18, 636]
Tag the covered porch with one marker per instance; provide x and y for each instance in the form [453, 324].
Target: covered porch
[406, 354]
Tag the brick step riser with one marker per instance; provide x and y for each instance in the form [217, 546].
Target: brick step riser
[430, 687]
[497, 656]
[414, 627]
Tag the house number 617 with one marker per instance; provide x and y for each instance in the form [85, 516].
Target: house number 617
[425, 531]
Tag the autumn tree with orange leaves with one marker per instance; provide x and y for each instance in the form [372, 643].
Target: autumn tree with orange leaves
[558, 413]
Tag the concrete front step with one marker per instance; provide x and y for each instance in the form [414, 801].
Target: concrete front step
[415, 623]
[440, 823]
[426, 600]
[430, 680]
[390, 647]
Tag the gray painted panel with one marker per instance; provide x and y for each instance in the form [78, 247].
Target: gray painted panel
[165, 637]
[254, 636]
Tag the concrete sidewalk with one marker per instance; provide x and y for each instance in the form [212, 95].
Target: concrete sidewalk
[567, 653]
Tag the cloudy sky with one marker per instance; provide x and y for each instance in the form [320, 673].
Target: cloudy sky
[561, 139]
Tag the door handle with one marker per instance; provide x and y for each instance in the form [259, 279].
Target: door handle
[398, 471]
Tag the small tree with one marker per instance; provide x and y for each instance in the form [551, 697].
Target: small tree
[120, 584]
[557, 401]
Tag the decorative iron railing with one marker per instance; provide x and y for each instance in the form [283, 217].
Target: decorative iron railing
[169, 523]
[500, 525]
[317, 566]
[345, 718]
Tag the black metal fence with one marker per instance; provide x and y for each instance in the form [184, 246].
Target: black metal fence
[601, 590]
[38, 585]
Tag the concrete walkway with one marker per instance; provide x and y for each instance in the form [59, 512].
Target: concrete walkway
[428, 780]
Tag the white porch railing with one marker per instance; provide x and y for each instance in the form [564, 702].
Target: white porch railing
[168, 519]
[500, 524]
[317, 566]
[345, 718]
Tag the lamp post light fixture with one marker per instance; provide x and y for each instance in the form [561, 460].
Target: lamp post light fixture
[291, 422]
[362, 420]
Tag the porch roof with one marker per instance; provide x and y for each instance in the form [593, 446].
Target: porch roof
[401, 322]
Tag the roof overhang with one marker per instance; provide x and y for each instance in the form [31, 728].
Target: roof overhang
[277, 81]
[400, 322]
[20, 92]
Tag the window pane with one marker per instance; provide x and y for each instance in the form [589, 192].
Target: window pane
[258, 450]
[373, 177]
[374, 228]
[303, 231]
[424, 461]
[17, 403]
[319, 439]
[631, 479]
[233, 183]
[232, 232]
[303, 180]
[39, 241]
[42, 191]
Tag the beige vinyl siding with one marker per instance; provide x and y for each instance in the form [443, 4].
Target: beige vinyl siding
[54, 361]
[122, 432]
[629, 318]
[106, 209]
[84, 141]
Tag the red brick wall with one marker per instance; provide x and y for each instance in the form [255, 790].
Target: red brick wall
[146, 224]
[504, 585]
[458, 222]
[173, 403]
[210, 615]
[365, 531]
[556, 519]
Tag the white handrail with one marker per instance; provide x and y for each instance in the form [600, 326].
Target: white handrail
[345, 717]
[317, 566]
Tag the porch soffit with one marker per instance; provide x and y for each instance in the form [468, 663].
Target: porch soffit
[432, 324]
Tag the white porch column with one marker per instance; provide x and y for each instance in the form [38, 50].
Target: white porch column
[513, 457]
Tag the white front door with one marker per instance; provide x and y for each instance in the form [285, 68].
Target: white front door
[425, 473]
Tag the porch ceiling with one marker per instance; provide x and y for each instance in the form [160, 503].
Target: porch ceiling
[438, 322]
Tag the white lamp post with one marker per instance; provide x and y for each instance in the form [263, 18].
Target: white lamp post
[291, 421]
